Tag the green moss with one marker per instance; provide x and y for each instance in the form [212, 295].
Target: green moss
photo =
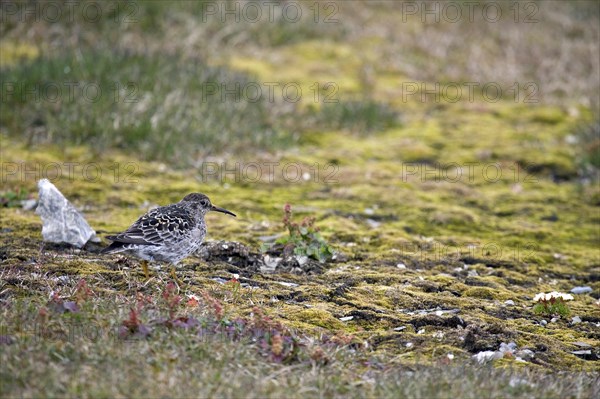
[318, 317]
[12, 53]
[465, 245]
[481, 292]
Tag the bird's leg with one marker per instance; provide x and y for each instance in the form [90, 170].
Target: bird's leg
[174, 276]
[145, 269]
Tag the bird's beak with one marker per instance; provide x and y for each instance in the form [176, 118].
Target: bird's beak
[222, 210]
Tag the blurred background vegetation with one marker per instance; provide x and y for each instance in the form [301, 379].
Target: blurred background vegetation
[171, 88]
[154, 61]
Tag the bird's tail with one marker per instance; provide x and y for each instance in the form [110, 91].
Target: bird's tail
[114, 247]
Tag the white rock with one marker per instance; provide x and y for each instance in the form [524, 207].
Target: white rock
[510, 302]
[373, 223]
[487, 356]
[525, 354]
[286, 284]
[28, 204]
[581, 290]
[270, 263]
[62, 223]
[515, 382]
[576, 320]
[347, 318]
[301, 259]
[510, 347]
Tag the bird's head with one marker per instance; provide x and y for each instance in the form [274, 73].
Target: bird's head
[202, 203]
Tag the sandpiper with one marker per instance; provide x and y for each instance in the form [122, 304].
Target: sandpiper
[168, 233]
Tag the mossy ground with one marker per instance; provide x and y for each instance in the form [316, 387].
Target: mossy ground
[458, 208]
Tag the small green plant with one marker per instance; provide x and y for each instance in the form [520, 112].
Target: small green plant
[304, 238]
[553, 303]
[12, 199]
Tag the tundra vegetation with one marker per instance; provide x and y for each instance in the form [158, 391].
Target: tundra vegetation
[446, 172]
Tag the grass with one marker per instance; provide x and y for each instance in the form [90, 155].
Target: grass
[588, 138]
[167, 110]
[83, 351]
[358, 117]
[442, 212]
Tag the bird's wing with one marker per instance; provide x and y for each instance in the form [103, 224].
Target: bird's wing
[162, 224]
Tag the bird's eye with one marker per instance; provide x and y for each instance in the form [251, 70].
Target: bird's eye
[204, 203]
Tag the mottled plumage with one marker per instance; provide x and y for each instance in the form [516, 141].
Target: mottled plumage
[169, 234]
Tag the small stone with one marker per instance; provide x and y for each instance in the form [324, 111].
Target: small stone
[571, 139]
[582, 352]
[421, 331]
[61, 279]
[525, 354]
[543, 322]
[582, 344]
[409, 345]
[301, 259]
[400, 328]
[486, 356]
[576, 320]
[347, 318]
[510, 302]
[286, 284]
[62, 223]
[450, 356]
[401, 266]
[28, 204]
[271, 263]
[581, 290]
[516, 382]
[510, 347]
[554, 320]
[373, 223]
